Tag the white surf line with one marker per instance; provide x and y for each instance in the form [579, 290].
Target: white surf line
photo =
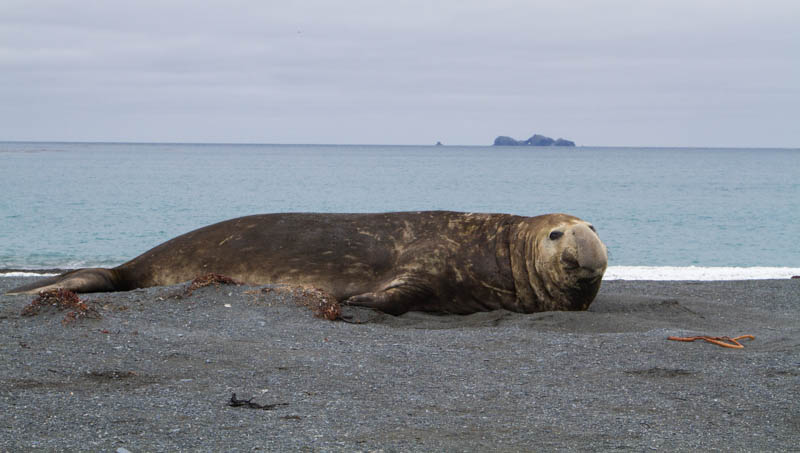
[25, 274]
[698, 273]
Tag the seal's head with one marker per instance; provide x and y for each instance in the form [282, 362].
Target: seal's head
[562, 262]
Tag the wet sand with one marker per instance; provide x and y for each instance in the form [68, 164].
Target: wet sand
[156, 373]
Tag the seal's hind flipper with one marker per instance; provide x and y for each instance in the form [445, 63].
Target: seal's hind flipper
[397, 298]
[80, 281]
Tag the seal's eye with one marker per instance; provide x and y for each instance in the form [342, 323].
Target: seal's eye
[555, 234]
[591, 227]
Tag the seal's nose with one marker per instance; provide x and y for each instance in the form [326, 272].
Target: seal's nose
[591, 253]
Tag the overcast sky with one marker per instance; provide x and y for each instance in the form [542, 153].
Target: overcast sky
[635, 73]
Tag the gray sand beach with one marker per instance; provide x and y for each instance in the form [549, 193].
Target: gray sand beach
[156, 373]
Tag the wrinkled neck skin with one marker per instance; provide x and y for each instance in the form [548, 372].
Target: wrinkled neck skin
[542, 279]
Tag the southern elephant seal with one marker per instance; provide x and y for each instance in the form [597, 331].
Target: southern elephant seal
[440, 261]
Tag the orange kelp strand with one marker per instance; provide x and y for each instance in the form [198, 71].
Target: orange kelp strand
[719, 341]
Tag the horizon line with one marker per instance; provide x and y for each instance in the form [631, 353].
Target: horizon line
[113, 142]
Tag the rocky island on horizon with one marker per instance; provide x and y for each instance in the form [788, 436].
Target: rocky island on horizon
[535, 140]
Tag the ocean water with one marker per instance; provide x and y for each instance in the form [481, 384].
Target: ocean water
[698, 211]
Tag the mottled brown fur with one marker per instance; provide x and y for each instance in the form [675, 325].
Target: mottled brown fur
[428, 261]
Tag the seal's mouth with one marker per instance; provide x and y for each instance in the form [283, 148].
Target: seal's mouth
[589, 281]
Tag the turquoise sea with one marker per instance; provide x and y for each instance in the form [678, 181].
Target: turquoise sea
[99, 204]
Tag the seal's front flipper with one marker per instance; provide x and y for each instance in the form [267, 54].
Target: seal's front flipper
[80, 281]
[395, 299]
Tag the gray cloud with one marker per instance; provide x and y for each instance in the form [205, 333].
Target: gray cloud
[677, 73]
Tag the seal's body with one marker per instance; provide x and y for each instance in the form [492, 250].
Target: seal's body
[439, 261]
